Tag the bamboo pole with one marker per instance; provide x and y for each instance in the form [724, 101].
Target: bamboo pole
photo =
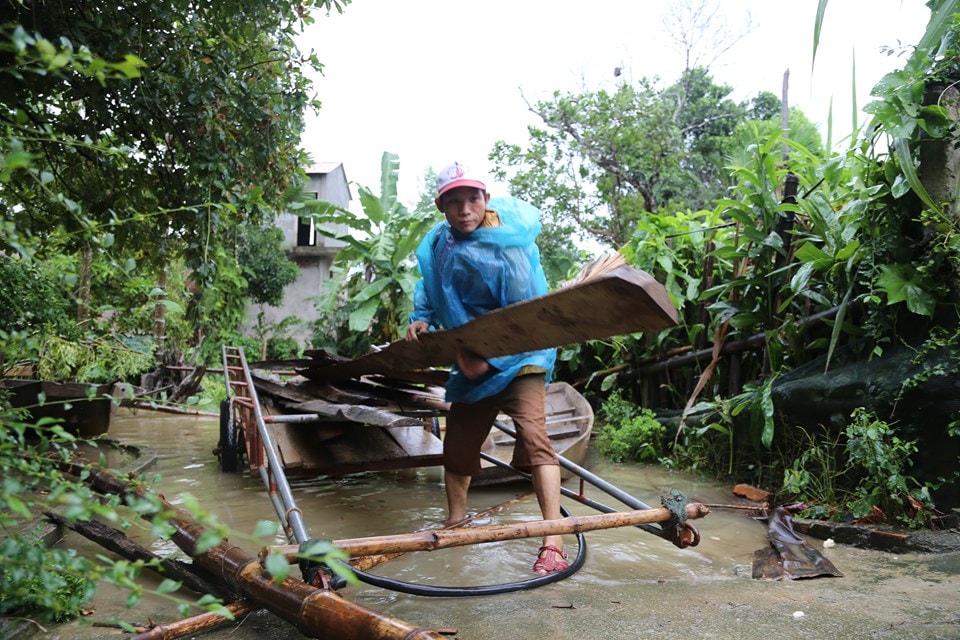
[365, 563]
[442, 539]
[317, 613]
[196, 624]
[117, 541]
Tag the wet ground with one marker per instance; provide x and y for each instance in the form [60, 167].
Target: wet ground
[633, 584]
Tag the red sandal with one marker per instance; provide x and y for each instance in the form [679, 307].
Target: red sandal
[553, 560]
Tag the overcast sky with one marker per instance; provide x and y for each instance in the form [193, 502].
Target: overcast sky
[441, 80]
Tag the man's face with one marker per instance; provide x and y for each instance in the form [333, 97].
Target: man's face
[464, 208]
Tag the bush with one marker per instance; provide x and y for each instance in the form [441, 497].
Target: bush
[882, 463]
[50, 584]
[31, 298]
[94, 360]
[629, 433]
[864, 473]
[282, 348]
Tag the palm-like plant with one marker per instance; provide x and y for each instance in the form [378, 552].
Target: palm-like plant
[369, 298]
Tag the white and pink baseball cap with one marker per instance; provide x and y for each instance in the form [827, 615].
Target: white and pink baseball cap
[457, 175]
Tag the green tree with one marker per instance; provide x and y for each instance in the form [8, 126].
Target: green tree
[598, 163]
[706, 117]
[426, 204]
[268, 271]
[736, 148]
[135, 141]
[31, 297]
[151, 131]
[266, 267]
[601, 161]
[764, 106]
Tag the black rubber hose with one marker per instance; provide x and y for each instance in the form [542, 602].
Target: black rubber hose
[416, 589]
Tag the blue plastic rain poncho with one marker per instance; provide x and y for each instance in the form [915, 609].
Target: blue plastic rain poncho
[468, 275]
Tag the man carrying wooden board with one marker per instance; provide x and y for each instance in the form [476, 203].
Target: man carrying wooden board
[484, 257]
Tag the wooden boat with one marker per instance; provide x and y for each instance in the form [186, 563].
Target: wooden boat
[390, 390]
[376, 424]
[82, 409]
[569, 424]
[323, 429]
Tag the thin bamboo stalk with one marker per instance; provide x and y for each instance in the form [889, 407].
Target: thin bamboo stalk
[196, 624]
[365, 563]
[442, 539]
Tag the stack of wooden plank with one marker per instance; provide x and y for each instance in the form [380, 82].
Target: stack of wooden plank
[375, 412]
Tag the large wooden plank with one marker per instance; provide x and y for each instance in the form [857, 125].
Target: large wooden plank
[418, 443]
[621, 301]
[359, 414]
[358, 449]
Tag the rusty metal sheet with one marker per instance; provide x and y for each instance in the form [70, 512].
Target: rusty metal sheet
[788, 555]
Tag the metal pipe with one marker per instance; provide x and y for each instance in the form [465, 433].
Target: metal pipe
[573, 495]
[292, 419]
[592, 478]
[274, 499]
[292, 515]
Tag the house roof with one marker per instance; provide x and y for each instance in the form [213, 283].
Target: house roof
[330, 181]
[325, 167]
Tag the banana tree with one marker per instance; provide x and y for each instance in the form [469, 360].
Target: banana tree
[369, 297]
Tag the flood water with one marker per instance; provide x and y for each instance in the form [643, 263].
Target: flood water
[633, 585]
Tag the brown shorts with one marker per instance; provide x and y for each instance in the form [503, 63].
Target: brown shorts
[469, 424]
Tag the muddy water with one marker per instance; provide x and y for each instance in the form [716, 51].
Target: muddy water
[633, 584]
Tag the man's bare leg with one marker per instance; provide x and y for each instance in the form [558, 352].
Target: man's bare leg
[457, 487]
[546, 484]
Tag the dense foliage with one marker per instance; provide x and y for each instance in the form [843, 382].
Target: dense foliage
[368, 300]
[810, 255]
[31, 296]
[139, 140]
[628, 432]
[779, 253]
[141, 146]
[265, 268]
[146, 147]
[604, 160]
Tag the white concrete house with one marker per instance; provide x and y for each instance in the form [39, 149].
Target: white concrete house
[312, 252]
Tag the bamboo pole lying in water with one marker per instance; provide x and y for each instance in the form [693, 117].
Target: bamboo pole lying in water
[317, 613]
[443, 538]
[365, 563]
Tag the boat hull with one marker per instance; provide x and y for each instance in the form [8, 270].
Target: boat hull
[82, 409]
[569, 425]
